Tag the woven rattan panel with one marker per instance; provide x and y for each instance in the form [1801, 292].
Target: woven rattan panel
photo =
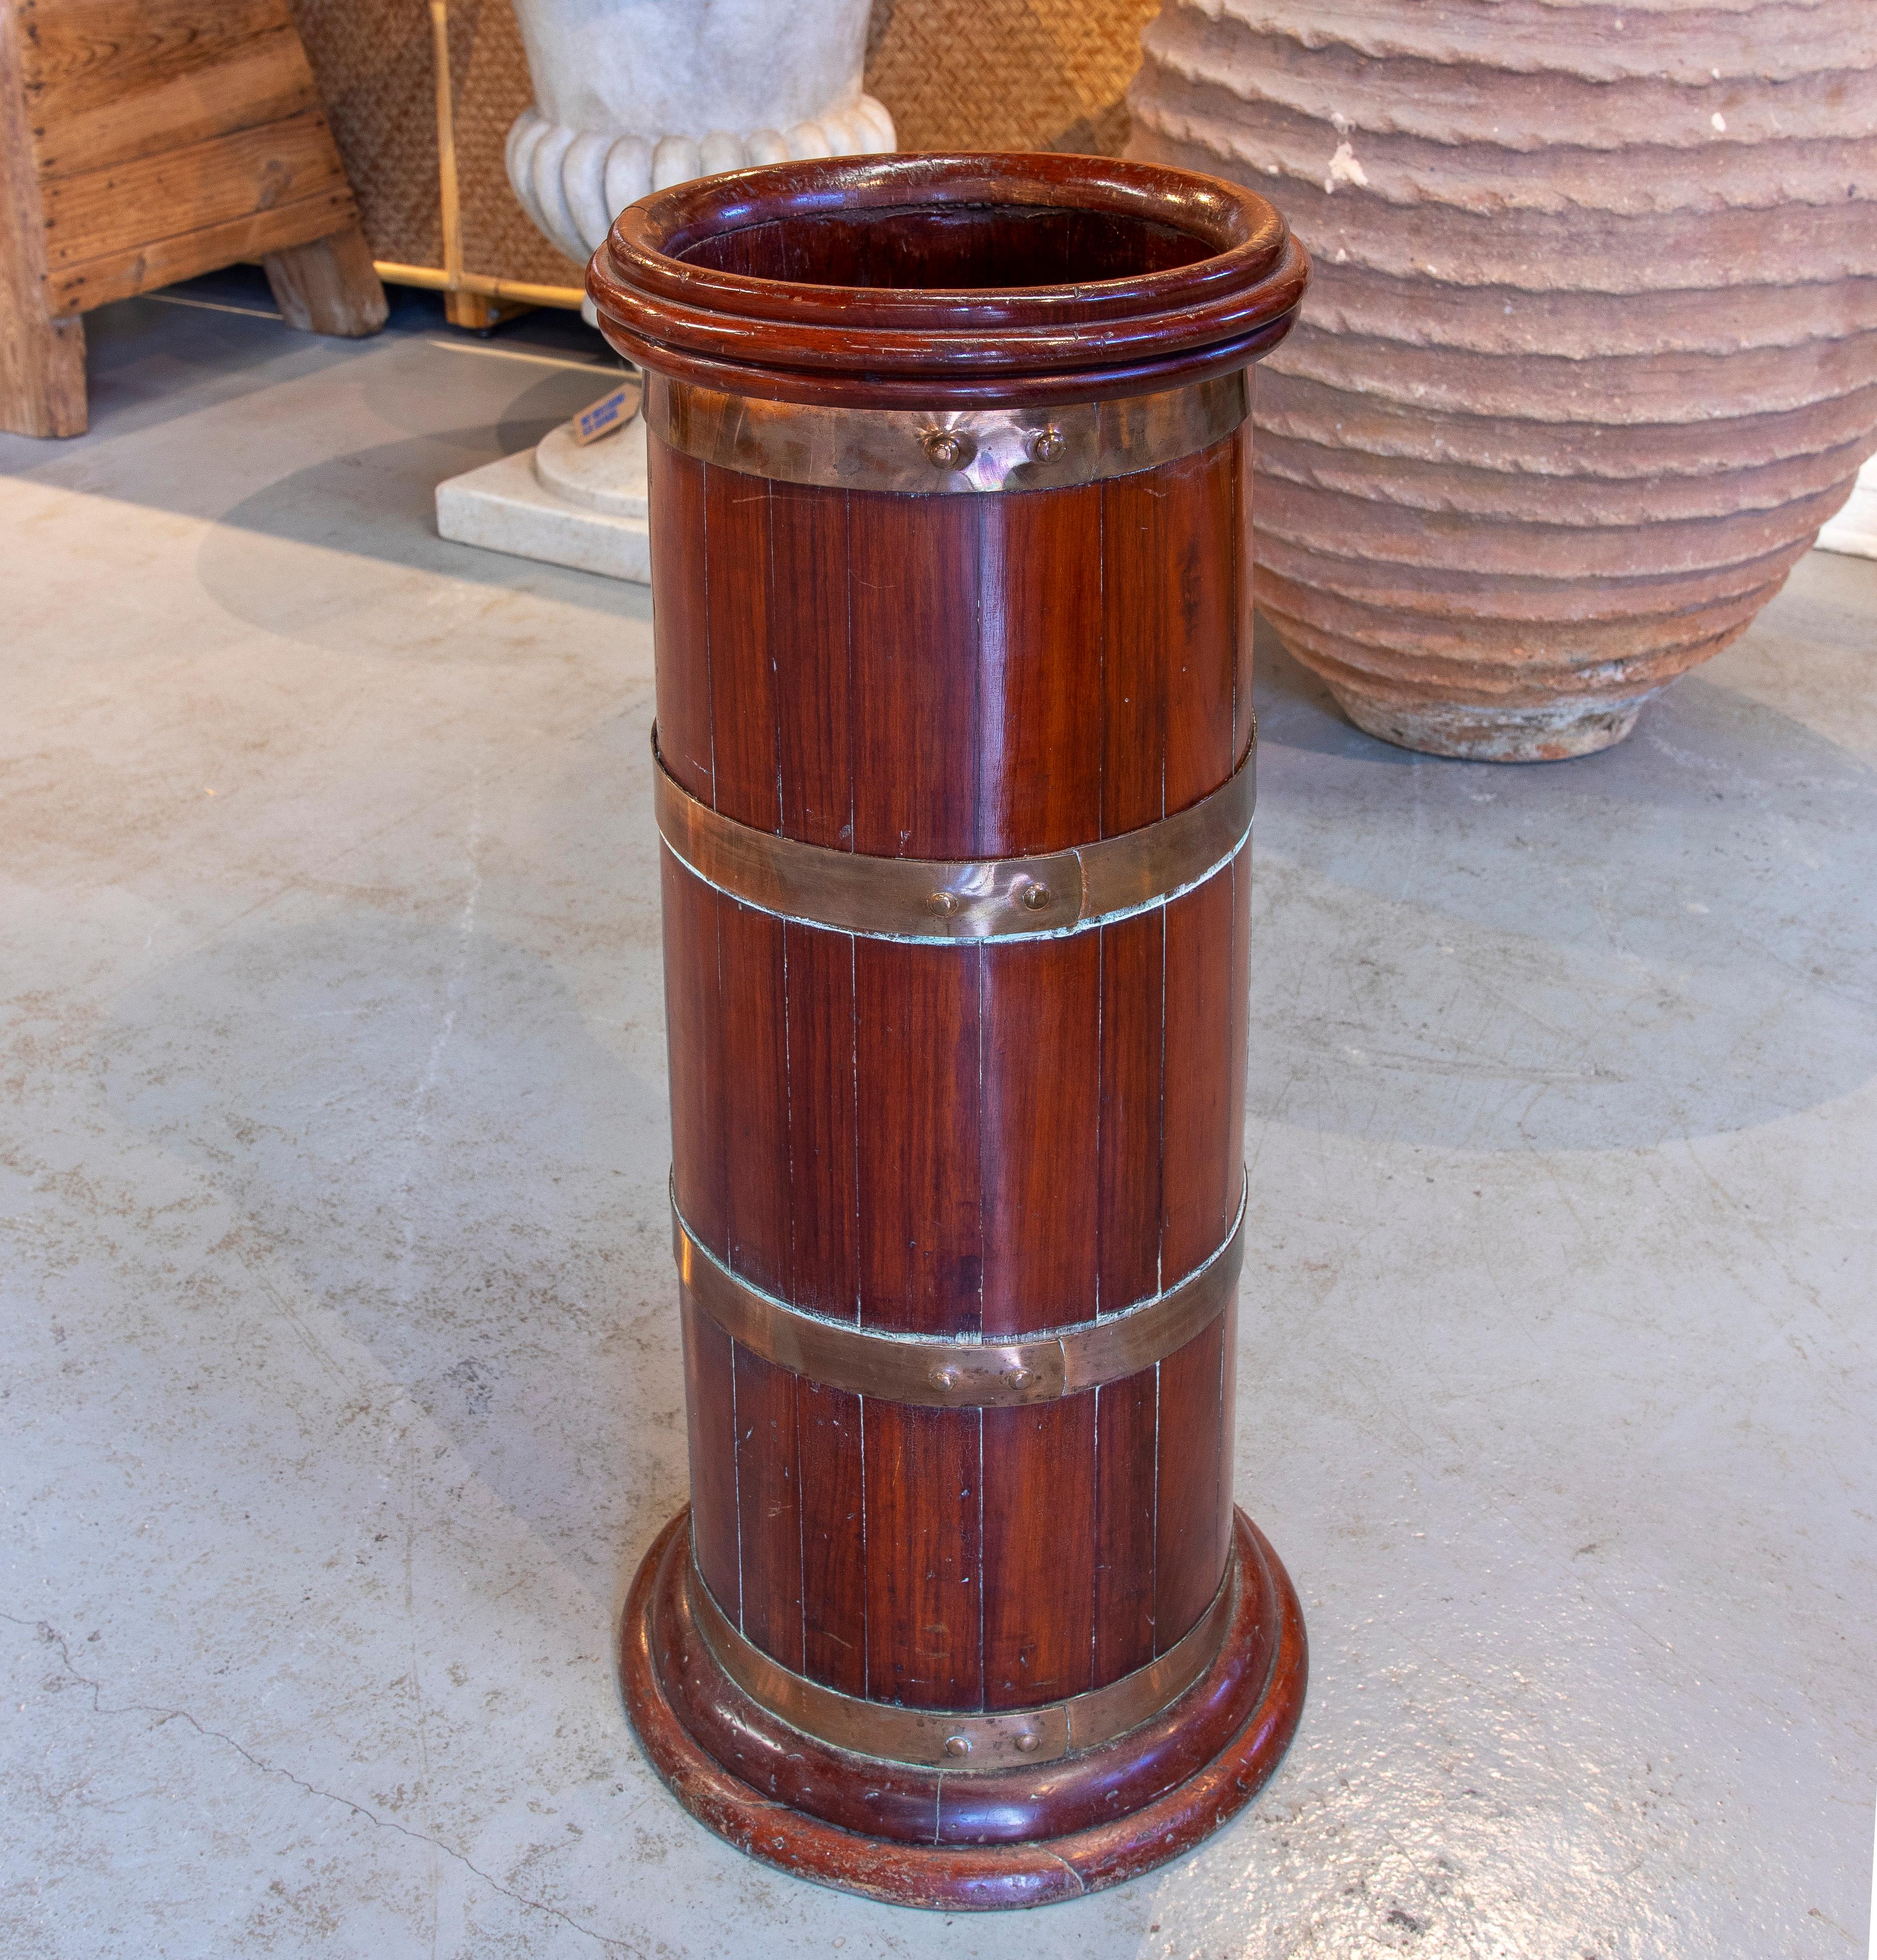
[372, 61]
[1007, 74]
[970, 75]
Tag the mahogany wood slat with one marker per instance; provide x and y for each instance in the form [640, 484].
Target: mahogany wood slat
[1191, 1482]
[834, 1537]
[950, 1139]
[917, 1066]
[1127, 1514]
[824, 1121]
[812, 649]
[1130, 1040]
[679, 539]
[768, 1507]
[1039, 1132]
[1040, 637]
[745, 751]
[918, 738]
[1202, 1160]
[1039, 1641]
[710, 1393]
[751, 988]
[924, 1505]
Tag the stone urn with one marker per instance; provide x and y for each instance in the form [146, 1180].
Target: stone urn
[632, 96]
[1590, 353]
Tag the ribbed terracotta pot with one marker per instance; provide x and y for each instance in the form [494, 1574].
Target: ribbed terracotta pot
[1591, 352]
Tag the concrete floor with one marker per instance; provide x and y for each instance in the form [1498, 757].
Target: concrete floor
[342, 1390]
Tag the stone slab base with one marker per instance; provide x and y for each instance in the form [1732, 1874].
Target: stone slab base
[559, 503]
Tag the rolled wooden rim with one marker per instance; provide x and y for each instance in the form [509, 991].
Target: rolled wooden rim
[946, 450]
[962, 1741]
[802, 341]
[944, 901]
[961, 1371]
[1246, 235]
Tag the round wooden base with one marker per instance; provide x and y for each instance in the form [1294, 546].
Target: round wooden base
[972, 1842]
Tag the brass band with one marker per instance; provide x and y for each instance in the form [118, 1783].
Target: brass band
[932, 1739]
[968, 1371]
[1060, 892]
[945, 451]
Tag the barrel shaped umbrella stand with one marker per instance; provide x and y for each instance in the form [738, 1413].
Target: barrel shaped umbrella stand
[954, 766]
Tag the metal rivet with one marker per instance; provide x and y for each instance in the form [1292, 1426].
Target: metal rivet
[1021, 1377]
[1047, 444]
[958, 1745]
[1026, 1743]
[943, 1378]
[1035, 896]
[947, 449]
[945, 903]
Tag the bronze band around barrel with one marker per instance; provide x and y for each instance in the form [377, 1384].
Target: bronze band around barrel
[945, 451]
[947, 898]
[932, 1739]
[963, 1373]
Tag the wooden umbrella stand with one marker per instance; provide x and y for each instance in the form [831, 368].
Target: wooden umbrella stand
[954, 765]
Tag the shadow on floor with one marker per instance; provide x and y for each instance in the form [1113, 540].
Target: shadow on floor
[1669, 939]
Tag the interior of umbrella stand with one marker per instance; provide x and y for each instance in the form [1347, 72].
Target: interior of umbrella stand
[950, 247]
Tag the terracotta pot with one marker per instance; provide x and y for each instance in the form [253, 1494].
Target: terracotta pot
[948, 556]
[1591, 350]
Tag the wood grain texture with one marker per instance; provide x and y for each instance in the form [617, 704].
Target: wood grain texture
[1039, 636]
[964, 1843]
[914, 608]
[824, 1122]
[943, 1140]
[924, 1470]
[112, 212]
[1192, 1477]
[1039, 1132]
[769, 1521]
[1040, 1640]
[917, 1064]
[834, 1537]
[330, 286]
[42, 358]
[148, 143]
[143, 268]
[1126, 1524]
[751, 988]
[710, 1397]
[680, 544]
[107, 81]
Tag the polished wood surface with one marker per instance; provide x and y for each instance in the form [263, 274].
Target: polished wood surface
[970, 1078]
[946, 1138]
[932, 1838]
[1141, 313]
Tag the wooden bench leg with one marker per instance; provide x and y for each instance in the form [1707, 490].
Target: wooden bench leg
[42, 367]
[41, 359]
[330, 286]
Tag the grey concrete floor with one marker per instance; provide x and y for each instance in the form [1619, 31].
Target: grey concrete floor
[342, 1390]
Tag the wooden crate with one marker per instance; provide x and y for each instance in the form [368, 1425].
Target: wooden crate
[143, 141]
